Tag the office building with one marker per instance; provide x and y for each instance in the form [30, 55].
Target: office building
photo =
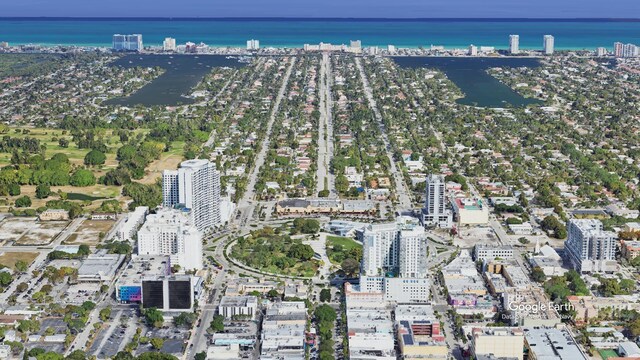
[169, 44]
[485, 253]
[171, 232]
[196, 187]
[170, 293]
[436, 212]
[473, 50]
[514, 44]
[127, 42]
[590, 248]
[129, 284]
[548, 44]
[253, 44]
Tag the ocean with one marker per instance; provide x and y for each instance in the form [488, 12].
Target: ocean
[451, 33]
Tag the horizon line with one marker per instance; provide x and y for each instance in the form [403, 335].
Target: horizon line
[269, 18]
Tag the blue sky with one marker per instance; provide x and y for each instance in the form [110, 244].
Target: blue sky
[325, 8]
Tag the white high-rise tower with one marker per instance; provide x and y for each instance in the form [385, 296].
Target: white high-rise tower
[435, 212]
[548, 44]
[514, 44]
[195, 186]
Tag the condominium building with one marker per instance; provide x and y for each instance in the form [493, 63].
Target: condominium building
[625, 50]
[590, 248]
[514, 44]
[134, 220]
[473, 50]
[194, 186]
[548, 44]
[380, 249]
[436, 212]
[253, 44]
[171, 232]
[127, 42]
[601, 51]
[169, 44]
[394, 261]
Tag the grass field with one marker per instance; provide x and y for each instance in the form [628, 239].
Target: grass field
[347, 243]
[607, 353]
[9, 259]
[89, 232]
[49, 138]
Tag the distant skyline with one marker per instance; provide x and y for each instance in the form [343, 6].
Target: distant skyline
[398, 9]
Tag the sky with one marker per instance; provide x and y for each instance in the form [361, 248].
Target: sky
[325, 8]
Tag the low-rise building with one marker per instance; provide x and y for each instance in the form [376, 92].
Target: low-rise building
[470, 211]
[489, 252]
[552, 343]
[100, 267]
[629, 249]
[419, 333]
[501, 342]
[102, 216]
[283, 331]
[588, 307]
[232, 307]
[521, 229]
[54, 215]
[530, 307]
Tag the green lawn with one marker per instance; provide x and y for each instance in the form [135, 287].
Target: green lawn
[347, 243]
[607, 353]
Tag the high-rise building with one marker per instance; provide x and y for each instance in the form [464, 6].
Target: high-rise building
[169, 44]
[253, 44]
[391, 49]
[630, 50]
[171, 232]
[394, 261]
[380, 249]
[436, 212]
[127, 42]
[618, 49]
[412, 254]
[601, 51]
[194, 186]
[514, 44]
[548, 44]
[589, 247]
[473, 50]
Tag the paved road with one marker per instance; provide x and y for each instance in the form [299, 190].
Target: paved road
[212, 137]
[404, 197]
[325, 128]
[244, 214]
[245, 205]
